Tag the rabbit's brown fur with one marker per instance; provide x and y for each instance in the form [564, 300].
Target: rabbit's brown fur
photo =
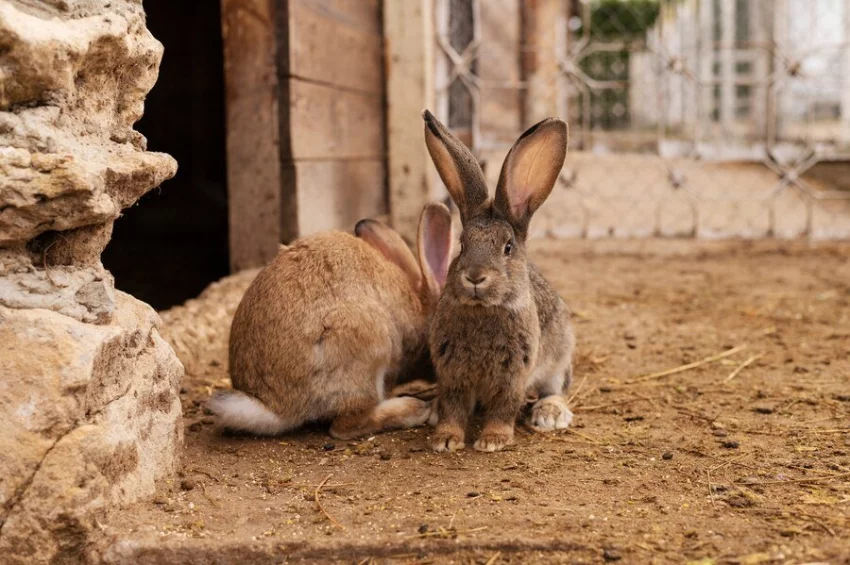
[328, 328]
[500, 331]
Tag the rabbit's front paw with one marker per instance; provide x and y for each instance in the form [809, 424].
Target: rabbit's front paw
[493, 441]
[551, 413]
[447, 439]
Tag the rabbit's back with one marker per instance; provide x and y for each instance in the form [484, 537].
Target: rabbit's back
[325, 303]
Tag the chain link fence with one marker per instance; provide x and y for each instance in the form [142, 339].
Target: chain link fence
[706, 118]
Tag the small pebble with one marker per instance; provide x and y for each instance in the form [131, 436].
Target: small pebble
[731, 444]
[188, 484]
[423, 528]
[720, 433]
[611, 555]
[329, 447]
[763, 410]
[632, 345]
[667, 456]
[842, 397]
[183, 390]
[386, 456]
[159, 500]
[605, 389]
[473, 494]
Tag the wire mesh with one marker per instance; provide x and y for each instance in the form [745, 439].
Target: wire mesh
[707, 118]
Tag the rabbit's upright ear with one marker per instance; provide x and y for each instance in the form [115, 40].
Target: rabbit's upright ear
[391, 245]
[435, 246]
[456, 165]
[530, 171]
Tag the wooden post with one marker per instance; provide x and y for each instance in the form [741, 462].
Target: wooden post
[777, 98]
[844, 132]
[727, 64]
[409, 40]
[706, 59]
[250, 29]
[759, 21]
[541, 20]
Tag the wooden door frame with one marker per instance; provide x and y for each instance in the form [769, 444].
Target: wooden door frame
[260, 204]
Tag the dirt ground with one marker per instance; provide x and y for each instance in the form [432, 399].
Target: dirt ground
[742, 459]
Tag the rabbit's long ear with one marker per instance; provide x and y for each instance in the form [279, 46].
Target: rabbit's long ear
[391, 245]
[530, 171]
[435, 246]
[458, 168]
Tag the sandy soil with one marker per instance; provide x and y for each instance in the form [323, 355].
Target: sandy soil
[744, 459]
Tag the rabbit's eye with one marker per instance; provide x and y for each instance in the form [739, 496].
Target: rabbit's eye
[508, 248]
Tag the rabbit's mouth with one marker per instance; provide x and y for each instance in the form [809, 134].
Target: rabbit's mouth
[478, 297]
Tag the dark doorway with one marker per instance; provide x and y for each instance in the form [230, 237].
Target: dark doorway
[173, 243]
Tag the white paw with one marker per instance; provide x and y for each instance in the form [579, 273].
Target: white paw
[403, 412]
[434, 418]
[551, 413]
[420, 412]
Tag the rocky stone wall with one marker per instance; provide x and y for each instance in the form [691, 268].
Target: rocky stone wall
[88, 388]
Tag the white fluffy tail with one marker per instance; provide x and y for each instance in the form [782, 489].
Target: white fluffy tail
[238, 411]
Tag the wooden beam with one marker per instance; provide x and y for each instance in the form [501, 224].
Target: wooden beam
[337, 42]
[251, 31]
[336, 194]
[409, 40]
[330, 123]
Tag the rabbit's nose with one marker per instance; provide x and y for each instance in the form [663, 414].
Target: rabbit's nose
[475, 279]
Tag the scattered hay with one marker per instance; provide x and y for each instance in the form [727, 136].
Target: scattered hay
[689, 366]
[199, 330]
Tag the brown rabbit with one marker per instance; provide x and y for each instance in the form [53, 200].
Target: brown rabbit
[499, 330]
[330, 325]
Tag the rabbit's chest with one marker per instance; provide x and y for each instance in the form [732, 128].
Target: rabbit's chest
[487, 347]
